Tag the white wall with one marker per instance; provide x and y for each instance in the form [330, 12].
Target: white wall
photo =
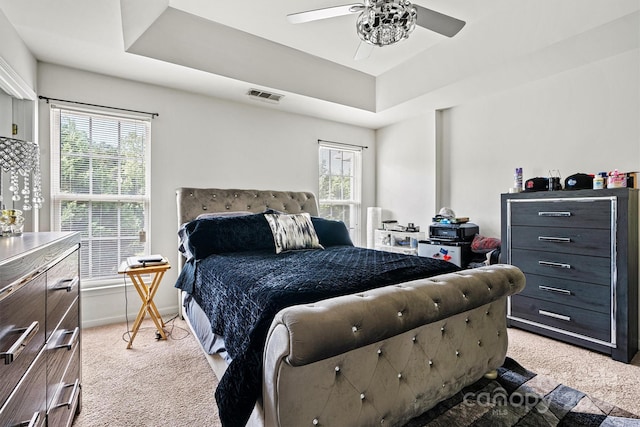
[14, 51]
[583, 120]
[406, 170]
[202, 142]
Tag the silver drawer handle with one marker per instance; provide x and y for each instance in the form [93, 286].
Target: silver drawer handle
[558, 290]
[13, 287]
[72, 341]
[554, 315]
[554, 264]
[33, 422]
[66, 284]
[554, 239]
[562, 214]
[72, 397]
[21, 343]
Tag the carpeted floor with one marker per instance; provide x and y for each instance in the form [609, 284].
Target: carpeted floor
[170, 383]
[519, 397]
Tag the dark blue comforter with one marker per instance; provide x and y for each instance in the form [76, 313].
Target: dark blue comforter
[241, 292]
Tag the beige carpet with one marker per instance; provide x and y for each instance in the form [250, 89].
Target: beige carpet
[155, 383]
[170, 383]
[592, 373]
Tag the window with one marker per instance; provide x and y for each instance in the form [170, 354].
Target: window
[100, 186]
[339, 189]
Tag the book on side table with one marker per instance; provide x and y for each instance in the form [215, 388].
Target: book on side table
[146, 261]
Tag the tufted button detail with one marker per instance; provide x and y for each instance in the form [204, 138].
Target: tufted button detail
[399, 314]
[204, 208]
[354, 329]
[379, 351]
[413, 339]
[479, 343]
[227, 207]
[430, 362]
[399, 376]
[442, 329]
[498, 333]
[315, 421]
[214, 196]
[464, 295]
[191, 194]
[337, 368]
[248, 207]
[361, 396]
[235, 195]
[457, 353]
[466, 320]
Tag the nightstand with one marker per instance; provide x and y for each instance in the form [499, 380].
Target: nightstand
[146, 293]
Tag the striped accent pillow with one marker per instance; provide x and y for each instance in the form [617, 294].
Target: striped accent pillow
[292, 232]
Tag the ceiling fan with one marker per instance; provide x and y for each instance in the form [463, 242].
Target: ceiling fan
[384, 22]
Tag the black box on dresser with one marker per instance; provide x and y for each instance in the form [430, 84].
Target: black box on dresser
[579, 253]
[40, 362]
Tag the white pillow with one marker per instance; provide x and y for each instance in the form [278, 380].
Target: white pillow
[293, 232]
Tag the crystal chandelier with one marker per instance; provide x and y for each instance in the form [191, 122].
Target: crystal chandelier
[20, 161]
[384, 22]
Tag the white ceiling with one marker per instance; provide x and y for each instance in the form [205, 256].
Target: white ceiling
[224, 48]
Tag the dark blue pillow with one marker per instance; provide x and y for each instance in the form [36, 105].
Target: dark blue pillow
[331, 232]
[203, 237]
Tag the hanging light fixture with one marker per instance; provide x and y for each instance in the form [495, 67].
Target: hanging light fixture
[20, 161]
[384, 22]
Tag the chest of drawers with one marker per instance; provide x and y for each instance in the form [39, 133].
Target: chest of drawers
[579, 253]
[39, 329]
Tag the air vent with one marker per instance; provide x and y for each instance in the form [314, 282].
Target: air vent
[261, 95]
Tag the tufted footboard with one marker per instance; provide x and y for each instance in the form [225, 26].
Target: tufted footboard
[387, 355]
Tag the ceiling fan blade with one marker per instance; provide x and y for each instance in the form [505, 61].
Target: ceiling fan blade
[363, 51]
[327, 12]
[438, 22]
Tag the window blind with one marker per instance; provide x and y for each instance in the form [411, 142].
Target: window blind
[339, 186]
[100, 185]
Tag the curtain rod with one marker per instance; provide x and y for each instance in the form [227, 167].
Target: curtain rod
[342, 143]
[46, 98]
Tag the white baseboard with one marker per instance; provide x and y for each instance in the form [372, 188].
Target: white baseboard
[108, 305]
[90, 322]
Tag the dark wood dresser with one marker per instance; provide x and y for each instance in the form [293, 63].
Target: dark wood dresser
[39, 329]
[579, 252]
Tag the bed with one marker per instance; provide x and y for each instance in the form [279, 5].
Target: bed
[294, 348]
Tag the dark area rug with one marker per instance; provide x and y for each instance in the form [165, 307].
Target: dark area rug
[519, 397]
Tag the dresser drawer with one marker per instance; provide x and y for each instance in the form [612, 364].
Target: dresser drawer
[26, 404]
[570, 292]
[563, 266]
[567, 318]
[22, 325]
[63, 286]
[60, 348]
[67, 396]
[583, 241]
[591, 213]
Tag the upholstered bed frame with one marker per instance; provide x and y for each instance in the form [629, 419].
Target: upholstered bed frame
[379, 357]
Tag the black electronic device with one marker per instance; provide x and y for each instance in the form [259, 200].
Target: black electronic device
[453, 232]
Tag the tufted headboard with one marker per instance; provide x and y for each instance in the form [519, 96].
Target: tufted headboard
[192, 202]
